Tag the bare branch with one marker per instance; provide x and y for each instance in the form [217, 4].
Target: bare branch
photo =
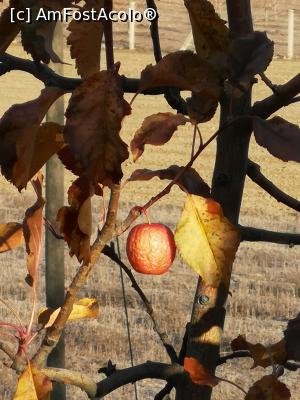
[172, 95]
[268, 82]
[155, 32]
[256, 175]
[167, 389]
[55, 331]
[283, 96]
[294, 100]
[231, 356]
[250, 234]
[164, 392]
[292, 366]
[40, 71]
[50, 78]
[74, 378]
[110, 252]
[173, 374]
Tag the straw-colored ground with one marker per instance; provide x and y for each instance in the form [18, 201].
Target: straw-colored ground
[266, 280]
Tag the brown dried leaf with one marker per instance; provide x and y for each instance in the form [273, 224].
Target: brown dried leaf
[249, 55]
[94, 117]
[85, 40]
[8, 31]
[68, 160]
[190, 181]
[32, 230]
[156, 129]
[201, 109]
[199, 374]
[37, 37]
[210, 33]
[11, 236]
[280, 137]
[49, 140]
[292, 335]
[185, 70]
[20, 134]
[268, 388]
[262, 356]
[76, 220]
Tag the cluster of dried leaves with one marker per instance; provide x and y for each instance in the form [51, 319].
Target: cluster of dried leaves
[91, 147]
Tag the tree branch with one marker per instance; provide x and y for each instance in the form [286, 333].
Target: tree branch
[254, 173]
[283, 96]
[291, 366]
[155, 32]
[231, 356]
[168, 388]
[172, 95]
[55, 331]
[50, 78]
[171, 373]
[65, 376]
[164, 391]
[250, 234]
[110, 252]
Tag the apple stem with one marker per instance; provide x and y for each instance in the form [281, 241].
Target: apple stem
[145, 212]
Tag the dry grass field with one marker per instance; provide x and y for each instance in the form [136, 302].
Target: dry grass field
[266, 278]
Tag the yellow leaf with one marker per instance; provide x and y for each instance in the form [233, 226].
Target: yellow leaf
[83, 308]
[11, 236]
[210, 33]
[33, 385]
[206, 240]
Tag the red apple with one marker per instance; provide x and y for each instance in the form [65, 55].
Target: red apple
[151, 248]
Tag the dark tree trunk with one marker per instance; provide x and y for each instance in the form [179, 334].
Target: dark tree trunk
[207, 321]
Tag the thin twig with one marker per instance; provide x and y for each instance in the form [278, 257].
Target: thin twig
[168, 388]
[250, 234]
[164, 392]
[292, 366]
[52, 230]
[172, 95]
[110, 252]
[268, 82]
[232, 356]
[266, 107]
[106, 234]
[255, 174]
[155, 32]
[137, 211]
